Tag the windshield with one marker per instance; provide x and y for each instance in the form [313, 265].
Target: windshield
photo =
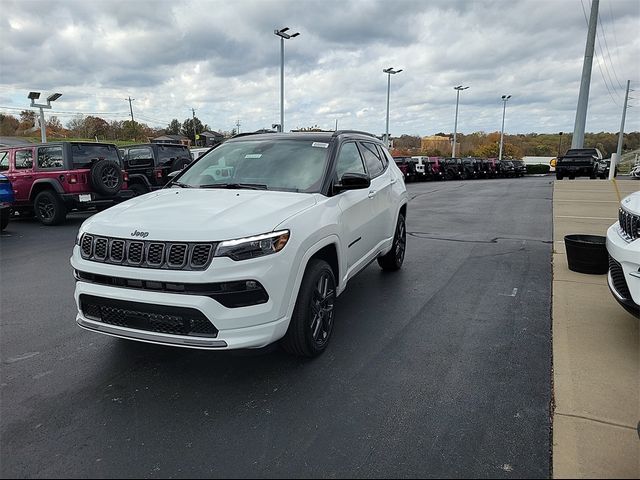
[167, 154]
[290, 165]
[84, 154]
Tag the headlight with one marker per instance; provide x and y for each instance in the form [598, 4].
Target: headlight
[252, 247]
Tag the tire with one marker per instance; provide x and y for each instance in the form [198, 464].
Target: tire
[559, 176]
[138, 189]
[4, 218]
[49, 208]
[308, 334]
[179, 164]
[106, 177]
[393, 260]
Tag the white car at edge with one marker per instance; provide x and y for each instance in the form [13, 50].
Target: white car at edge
[623, 245]
[249, 245]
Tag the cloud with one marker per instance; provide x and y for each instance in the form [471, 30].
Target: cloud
[223, 59]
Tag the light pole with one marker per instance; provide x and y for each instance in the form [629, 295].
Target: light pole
[33, 96]
[504, 108]
[283, 36]
[560, 144]
[455, 125]
[389, 71]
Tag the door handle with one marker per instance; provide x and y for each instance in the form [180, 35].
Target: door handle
[28, 177]
[372, 193]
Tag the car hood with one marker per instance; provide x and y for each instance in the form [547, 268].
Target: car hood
[632, 203]
[198, 214]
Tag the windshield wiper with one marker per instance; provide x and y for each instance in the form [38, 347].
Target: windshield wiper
[181, 185]
[249, 186]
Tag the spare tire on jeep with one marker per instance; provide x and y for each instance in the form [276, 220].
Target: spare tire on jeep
[106, 177]
[180, 164]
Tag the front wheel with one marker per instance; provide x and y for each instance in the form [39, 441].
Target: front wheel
[393, 260]
[313, 316]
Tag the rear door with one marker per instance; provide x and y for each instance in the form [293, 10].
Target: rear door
[21, 173]
[379, 191]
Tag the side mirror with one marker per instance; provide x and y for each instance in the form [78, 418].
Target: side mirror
[352, 181]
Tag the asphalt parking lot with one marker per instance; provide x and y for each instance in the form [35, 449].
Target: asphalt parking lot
[440, 370]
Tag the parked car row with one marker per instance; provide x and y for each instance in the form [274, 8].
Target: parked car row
[48, 180]
[419, 168]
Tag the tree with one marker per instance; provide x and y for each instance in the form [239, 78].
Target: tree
[187, 127]
[27, 119]
[173, 128]
[8, 124]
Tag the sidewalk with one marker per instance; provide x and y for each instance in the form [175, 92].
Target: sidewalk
[595, 347]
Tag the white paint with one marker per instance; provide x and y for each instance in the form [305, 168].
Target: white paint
[22, 357]
[586, 218]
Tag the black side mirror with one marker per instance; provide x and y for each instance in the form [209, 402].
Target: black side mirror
[352, 181]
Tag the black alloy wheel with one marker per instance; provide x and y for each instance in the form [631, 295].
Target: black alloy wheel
[322, 303]
[311, 324]
[49, 208]
[110, 176]
[394, 259]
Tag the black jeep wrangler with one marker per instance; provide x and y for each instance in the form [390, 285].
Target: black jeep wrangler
[150, 164]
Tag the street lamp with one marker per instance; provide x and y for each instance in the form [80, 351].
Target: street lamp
[389, 71]
[33, 96]
[455, 125]
[504, 108]
[560, 144]
[283, 36]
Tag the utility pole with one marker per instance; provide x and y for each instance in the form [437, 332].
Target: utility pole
[195, 140]
[583, 99]
[131, 109]
[133, 122]
[237, 126]
[624, 115]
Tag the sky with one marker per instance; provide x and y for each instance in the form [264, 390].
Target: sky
[222, 59]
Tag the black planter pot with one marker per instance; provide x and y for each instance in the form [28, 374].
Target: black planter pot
[587, 253]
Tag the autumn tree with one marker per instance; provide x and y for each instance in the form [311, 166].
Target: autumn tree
[8, 124]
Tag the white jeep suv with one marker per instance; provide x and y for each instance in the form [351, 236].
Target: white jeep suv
[250, 244]
[623, 245]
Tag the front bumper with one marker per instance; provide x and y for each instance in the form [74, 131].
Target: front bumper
[624, 272]
[251, 326]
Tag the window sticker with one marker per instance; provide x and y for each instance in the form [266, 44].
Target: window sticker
[320, 145]
[253, 155]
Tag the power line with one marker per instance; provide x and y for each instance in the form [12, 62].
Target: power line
[598, 60]
[604, 37]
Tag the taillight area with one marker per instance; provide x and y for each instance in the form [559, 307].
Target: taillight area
[72, 178]
[125, 177]
[158, 173]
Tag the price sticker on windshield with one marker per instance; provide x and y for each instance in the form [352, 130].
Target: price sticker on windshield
[320, 145]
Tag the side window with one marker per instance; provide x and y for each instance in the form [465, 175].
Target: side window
[144, 153]
[384, 156]
[24, 159]
[4, 161]
[372, 159]
[50, 157]
[349, 160]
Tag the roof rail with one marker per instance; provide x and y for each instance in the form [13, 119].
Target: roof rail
[245, 134]
[340, 132]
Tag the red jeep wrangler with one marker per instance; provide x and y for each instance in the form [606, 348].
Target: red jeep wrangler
[50, 179]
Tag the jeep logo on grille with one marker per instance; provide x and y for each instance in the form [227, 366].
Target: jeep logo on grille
[140, 234]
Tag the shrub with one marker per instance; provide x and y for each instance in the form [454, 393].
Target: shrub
[537, 169]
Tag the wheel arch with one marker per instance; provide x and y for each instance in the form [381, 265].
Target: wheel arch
[44, 184]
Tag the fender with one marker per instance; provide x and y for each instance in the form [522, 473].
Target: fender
[315, 248]
[49, 182]
[139, 177]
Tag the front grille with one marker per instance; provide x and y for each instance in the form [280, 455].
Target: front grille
[629, 224]
[148, 317]
[147, 254]
[617, 276]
